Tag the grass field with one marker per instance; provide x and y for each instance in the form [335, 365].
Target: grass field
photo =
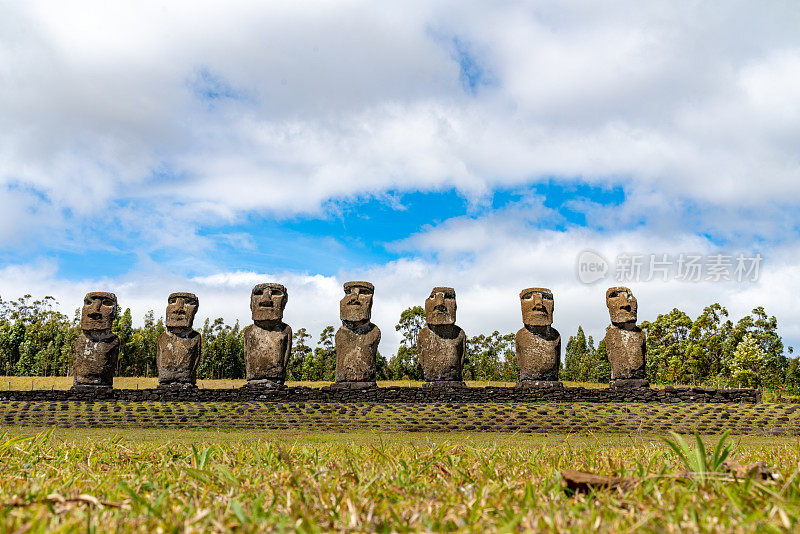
[193, 481]
[316, 467]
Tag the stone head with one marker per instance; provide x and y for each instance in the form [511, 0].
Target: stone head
[356, 305]
[440, 307]
[267, 302]
[181, 309]
[537, 306]
[99, 311]
[622, 305]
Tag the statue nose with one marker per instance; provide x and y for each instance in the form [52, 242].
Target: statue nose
[96, 304]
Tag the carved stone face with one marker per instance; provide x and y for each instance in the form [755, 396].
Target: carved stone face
[622, 305]
[99, 311]
[181, 309]
[440, 307]
[537, 306]
[267, 302]
[356, 305]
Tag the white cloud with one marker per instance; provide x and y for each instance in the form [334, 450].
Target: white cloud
[350, 100]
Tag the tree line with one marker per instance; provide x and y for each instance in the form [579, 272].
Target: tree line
[37, 340]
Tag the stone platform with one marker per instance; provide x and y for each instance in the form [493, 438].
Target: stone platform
[301, 417]
[390, 395]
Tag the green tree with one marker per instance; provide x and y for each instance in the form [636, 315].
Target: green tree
[123, 328]
[35, 339]
[705, 349]
[405, 364]
[509, 366]
[667, 344]
[300, 351]
[599, 368]
[381, 367]
[486, 357]
[320, 364]
[574, 357]
[584, 363]
[326, 349]
[747, 362]
[41, 351]
[792, 381]
[222, 351]
[412, 320]
[140, 359]
[762, 331]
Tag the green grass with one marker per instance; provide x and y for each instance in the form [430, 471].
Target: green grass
[194, 481]
[317, 467]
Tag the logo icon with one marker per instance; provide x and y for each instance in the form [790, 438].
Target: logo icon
[591, 267]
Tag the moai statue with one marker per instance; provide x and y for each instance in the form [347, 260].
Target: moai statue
[625, 342]
[538, 344]
[357, 339]
[178, 348]
[268, 341]
[441, 344]
[97, 348]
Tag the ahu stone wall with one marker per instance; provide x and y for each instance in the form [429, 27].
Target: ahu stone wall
[396, 395]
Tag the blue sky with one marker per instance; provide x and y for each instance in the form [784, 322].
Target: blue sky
[147, 148]
[345, 235]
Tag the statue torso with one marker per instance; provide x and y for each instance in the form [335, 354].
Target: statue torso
[177, 357]
[539, 356]
[626, 352]
[95, 359]
[355, 353]
[441, 357]
[266, 352]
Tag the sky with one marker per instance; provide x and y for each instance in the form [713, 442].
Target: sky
[203, 146]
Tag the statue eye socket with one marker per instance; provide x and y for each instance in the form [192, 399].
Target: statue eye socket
[258, 292]
[108, 302]
[277, 293]
[87, 302]
[547, 296]
[190, 302]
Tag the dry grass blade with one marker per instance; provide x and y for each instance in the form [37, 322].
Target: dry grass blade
[55, 498]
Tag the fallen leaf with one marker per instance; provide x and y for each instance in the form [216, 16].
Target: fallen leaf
[583, 481]
[755, 470]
